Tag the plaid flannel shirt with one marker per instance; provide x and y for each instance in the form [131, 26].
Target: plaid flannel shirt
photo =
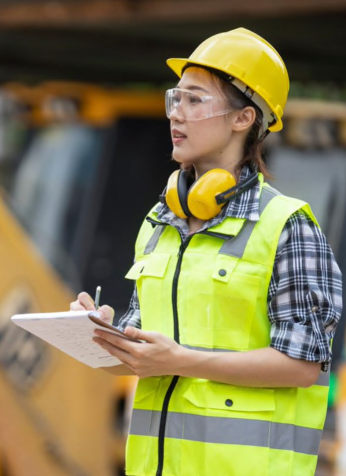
[305, 291]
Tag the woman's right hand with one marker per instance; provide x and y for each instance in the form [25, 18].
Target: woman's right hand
[85, 302]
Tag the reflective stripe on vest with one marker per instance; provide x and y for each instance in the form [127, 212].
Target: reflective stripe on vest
[154, 240]
[236, 246]
[229, 431]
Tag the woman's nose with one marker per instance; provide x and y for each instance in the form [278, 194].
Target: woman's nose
[176, 114]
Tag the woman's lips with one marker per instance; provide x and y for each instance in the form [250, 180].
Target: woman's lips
[177, 136]
[178, 140]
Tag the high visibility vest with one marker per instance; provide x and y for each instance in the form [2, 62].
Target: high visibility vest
[210, 293]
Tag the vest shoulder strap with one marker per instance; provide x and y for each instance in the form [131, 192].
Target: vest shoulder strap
[149, 234]
[236, 246]
[267, 230]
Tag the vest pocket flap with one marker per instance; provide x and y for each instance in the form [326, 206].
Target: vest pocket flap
[156, 265]
[224, 267]
[153, 265]
[221, 396]
[145, 387]
[135, 270]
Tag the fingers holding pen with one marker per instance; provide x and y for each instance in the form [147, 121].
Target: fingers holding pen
[87, 301]
[106, 313]
[76, 306]
[84, 302]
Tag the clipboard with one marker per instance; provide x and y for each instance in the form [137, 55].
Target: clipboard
[72, 332]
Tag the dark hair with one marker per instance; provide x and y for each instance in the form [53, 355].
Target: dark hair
[237, 100]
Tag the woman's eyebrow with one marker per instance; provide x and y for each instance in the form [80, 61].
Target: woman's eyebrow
[193, 88]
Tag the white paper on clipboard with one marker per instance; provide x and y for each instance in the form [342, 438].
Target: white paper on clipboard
[72, 333]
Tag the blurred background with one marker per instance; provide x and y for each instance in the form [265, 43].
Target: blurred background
[85, 152]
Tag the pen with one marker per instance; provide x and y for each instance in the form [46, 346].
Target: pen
[97, 297]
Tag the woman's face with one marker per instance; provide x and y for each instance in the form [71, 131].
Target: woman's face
[206, 140]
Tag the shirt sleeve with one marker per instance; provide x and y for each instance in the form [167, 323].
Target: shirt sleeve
[305, 293]
[132, 317]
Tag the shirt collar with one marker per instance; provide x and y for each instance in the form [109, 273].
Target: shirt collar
[245, 206]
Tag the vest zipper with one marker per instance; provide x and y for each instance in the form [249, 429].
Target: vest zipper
[163, 420]
[162, 428]
[182, 249]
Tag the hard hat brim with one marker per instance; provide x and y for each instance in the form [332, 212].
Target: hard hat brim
[177, 65]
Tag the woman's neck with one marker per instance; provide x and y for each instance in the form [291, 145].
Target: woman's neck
[229, 163]
[233, 169]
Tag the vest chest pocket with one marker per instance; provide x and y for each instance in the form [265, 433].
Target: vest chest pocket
[224, 307]
[148, 272]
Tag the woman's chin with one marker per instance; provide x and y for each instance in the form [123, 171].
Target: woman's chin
[181, 158]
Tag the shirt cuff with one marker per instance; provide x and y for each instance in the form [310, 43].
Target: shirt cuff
[131, 318]
[297, 341]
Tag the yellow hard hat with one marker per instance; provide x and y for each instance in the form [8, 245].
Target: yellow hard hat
[253, 65]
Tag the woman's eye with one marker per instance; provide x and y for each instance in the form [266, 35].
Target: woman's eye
[194, 99]
[176, 99]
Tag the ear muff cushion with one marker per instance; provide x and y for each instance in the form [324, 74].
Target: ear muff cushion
[183, 191]
[201, 196]
[172, 198]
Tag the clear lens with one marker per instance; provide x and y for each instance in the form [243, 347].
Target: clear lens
[192, 106]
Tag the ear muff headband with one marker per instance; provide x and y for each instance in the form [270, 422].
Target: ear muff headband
[240, 188]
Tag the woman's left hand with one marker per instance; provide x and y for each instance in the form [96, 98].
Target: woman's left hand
[158, 355]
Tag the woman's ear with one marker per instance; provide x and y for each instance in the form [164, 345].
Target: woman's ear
[243, 119]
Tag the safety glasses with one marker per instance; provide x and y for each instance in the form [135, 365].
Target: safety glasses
[192, 106]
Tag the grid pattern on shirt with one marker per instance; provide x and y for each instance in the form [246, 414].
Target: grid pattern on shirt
[305, 291]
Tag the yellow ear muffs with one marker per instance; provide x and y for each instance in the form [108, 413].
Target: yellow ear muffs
[206, 197]
[201, 199]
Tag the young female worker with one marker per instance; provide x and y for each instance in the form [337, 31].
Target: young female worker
[237, 293]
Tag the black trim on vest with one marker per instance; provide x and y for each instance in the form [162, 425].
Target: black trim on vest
[214, 234]
[155, 222]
